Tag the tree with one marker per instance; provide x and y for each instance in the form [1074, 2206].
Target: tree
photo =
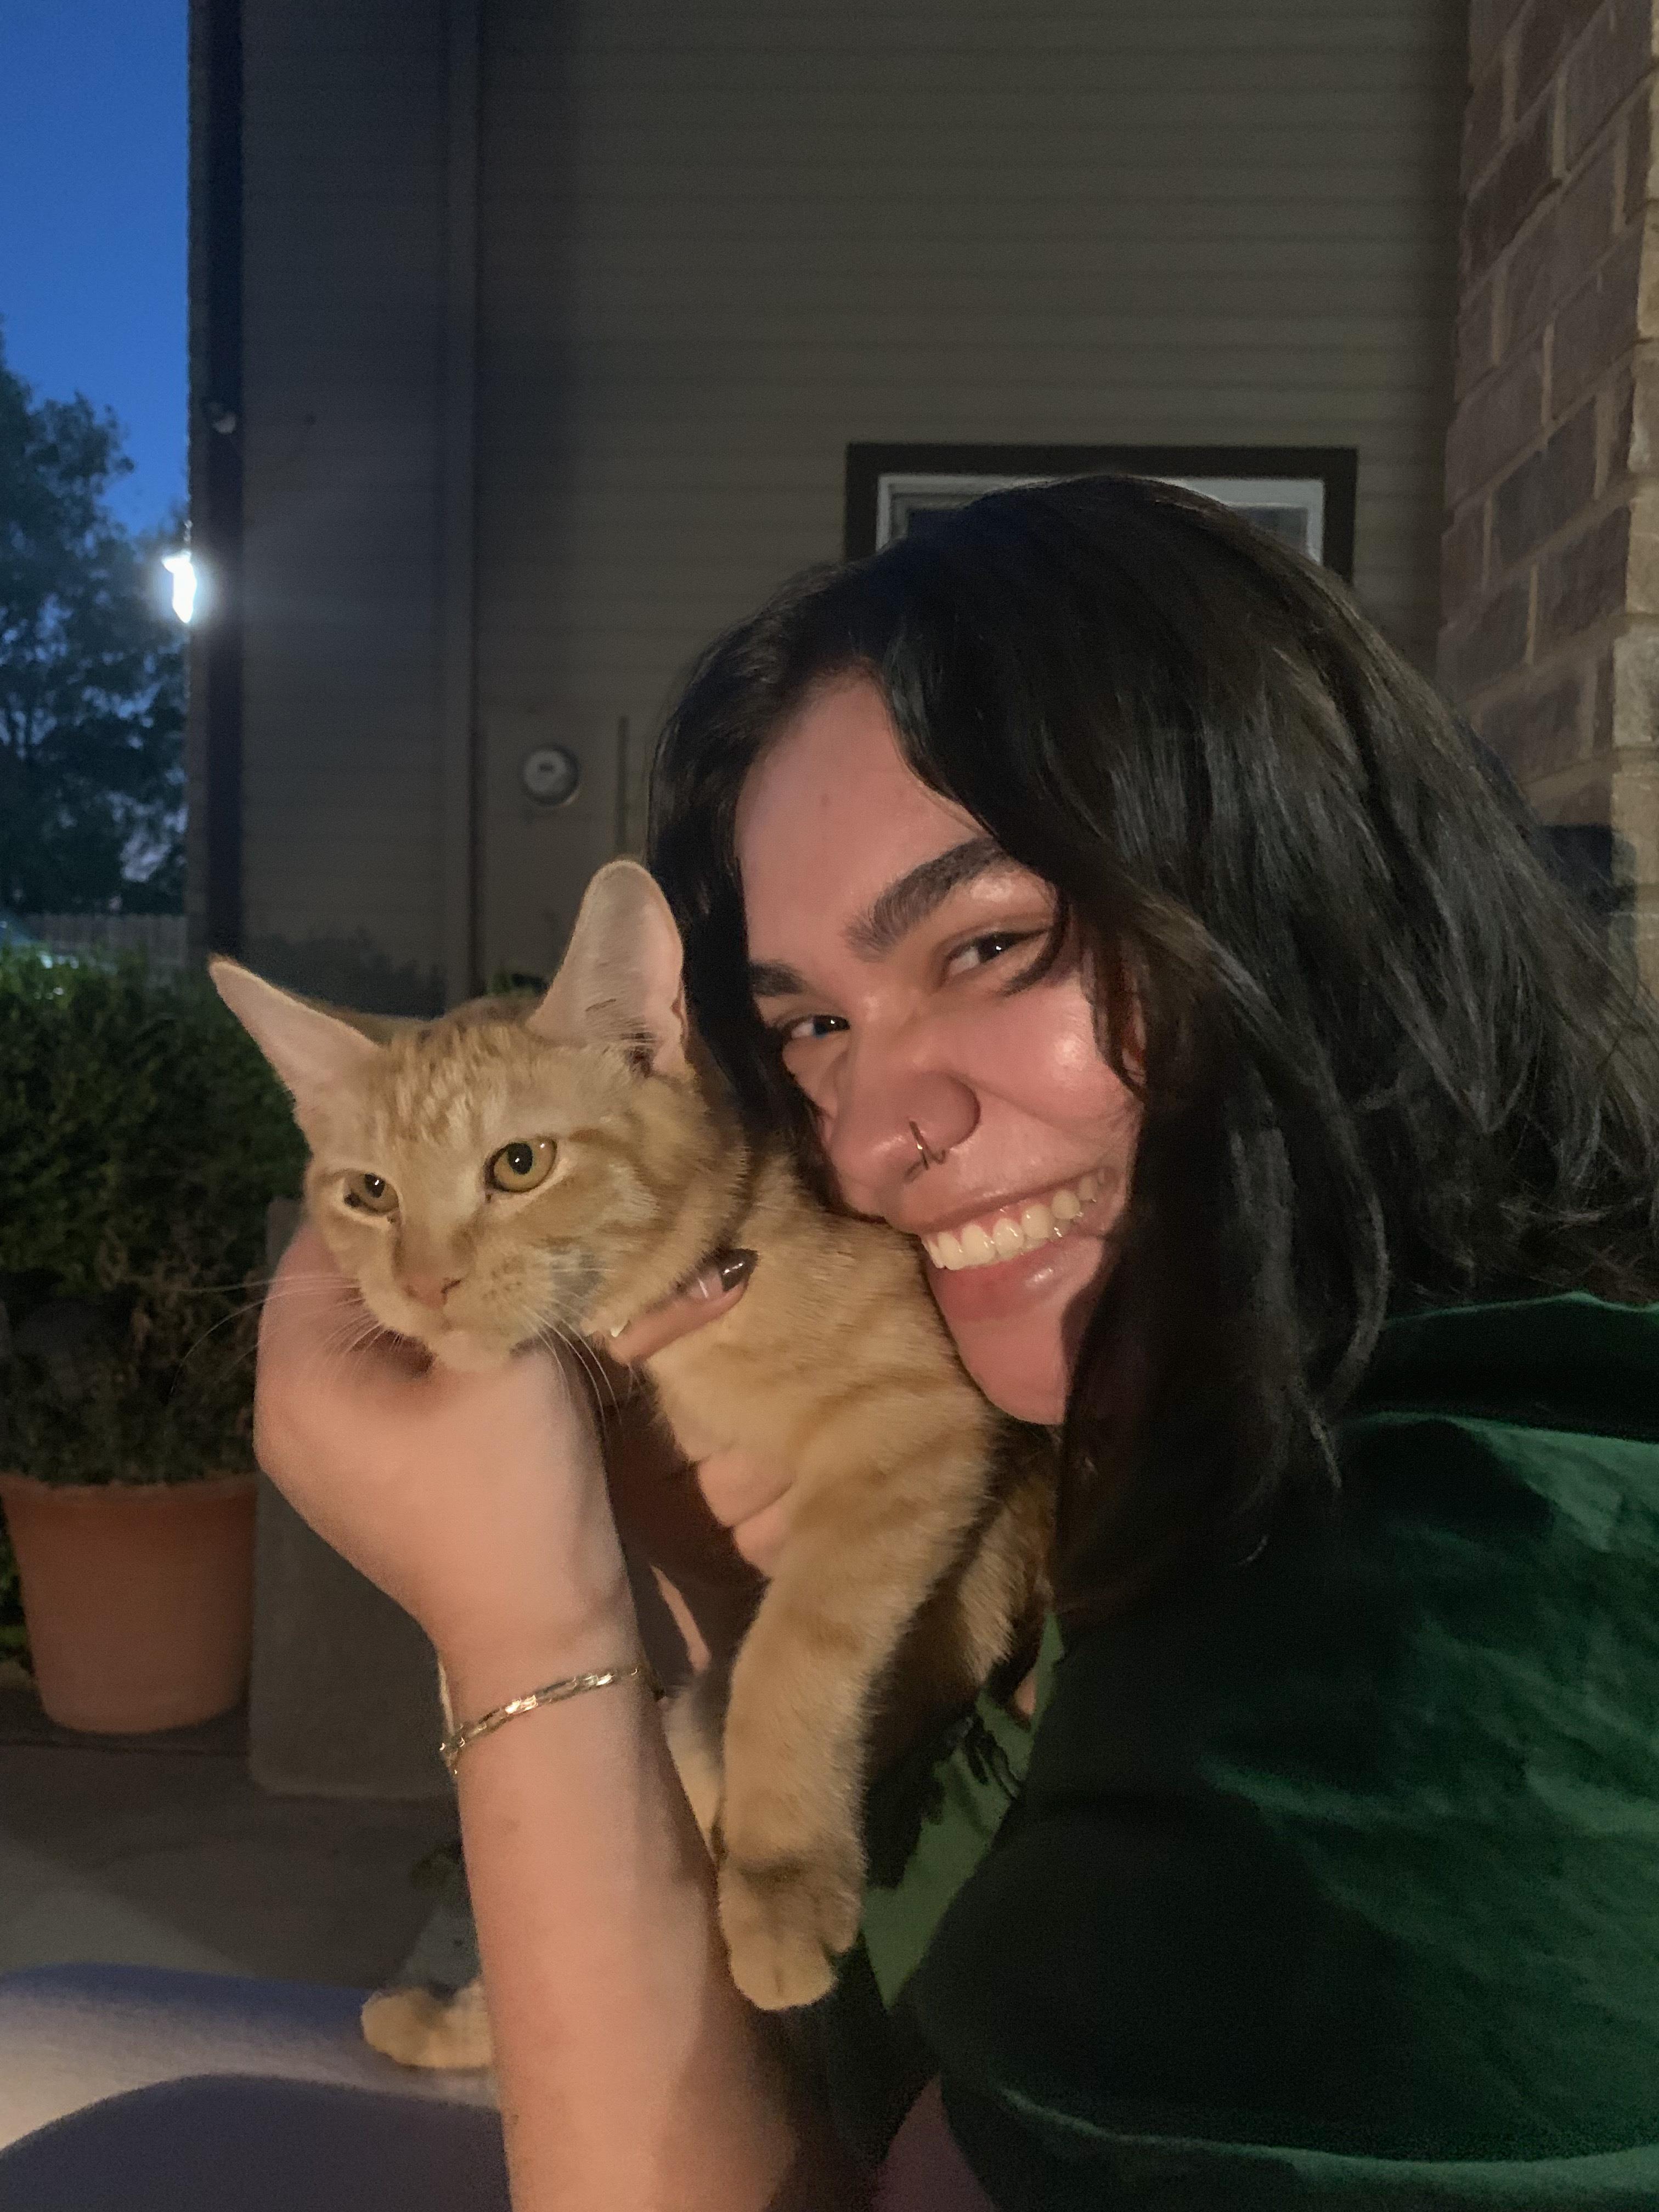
[92, 675]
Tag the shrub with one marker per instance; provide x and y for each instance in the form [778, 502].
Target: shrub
[142, 1136]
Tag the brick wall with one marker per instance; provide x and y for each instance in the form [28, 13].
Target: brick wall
[1550, 569]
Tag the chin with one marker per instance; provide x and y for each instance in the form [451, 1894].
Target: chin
[1015, 1324]
[1024, 1388]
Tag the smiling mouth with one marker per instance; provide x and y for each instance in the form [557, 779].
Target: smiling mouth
[1012, 1231]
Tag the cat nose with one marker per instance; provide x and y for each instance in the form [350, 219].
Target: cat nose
[430, 1288]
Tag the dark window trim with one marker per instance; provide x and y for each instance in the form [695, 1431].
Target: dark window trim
[215, 445]
[1337, 466]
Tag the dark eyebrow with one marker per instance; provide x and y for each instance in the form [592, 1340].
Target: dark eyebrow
[893, 914]
[913, 897]
[770, 979]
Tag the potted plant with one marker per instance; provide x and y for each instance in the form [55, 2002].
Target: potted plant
[141, 1139]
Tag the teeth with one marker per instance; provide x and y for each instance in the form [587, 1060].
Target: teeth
[1038, 1225]
[975, 1246]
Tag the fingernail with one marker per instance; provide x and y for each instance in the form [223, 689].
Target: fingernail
[733, 1268]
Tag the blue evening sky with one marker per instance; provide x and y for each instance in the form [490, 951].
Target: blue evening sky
[92, 222]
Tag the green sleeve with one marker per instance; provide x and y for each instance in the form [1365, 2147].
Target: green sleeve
[1297, 1907]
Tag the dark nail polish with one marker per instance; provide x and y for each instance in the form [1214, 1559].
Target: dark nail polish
[736, 1267]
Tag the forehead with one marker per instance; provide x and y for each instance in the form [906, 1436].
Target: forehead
[830, 816]
[457, 1086]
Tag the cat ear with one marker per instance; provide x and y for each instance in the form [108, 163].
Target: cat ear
[619, 981]
[313, 1053]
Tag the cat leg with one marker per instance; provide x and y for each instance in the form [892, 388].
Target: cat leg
[431, 2027]
[860, 1561]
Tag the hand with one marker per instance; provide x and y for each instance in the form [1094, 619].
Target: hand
[477, 1502]
[735, 1519]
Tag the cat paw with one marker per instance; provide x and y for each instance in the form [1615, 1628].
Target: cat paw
[786, 1925]
[429, 2027]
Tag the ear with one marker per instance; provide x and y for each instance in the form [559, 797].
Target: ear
[619, 982]
[313, 1053]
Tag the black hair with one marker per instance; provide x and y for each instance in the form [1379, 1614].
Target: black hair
[1387, 1062]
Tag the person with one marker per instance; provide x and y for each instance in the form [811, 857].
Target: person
[1091, 843]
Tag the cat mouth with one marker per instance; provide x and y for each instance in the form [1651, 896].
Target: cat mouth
[1008, 1232]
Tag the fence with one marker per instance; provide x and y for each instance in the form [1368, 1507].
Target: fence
[158, 937]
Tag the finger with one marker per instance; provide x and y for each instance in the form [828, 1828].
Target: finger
[737, 1485]
[312, 1303]
[712, 1291]
[308, 1290]
[759, 1538]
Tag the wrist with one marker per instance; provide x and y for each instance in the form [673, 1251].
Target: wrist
[497, 1661]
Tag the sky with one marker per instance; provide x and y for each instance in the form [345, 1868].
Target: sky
[93, 149]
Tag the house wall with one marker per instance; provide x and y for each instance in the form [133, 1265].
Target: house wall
[720, 243]
[343, 159]
[715, 246]
[1551, 568]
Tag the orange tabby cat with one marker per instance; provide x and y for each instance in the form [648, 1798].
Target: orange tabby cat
[514, 1173]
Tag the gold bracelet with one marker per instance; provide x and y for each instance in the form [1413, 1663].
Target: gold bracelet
[551, 1694]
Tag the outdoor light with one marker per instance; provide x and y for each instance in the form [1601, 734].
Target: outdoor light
[182, 569]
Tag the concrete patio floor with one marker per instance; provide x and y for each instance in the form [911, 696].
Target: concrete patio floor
[162, 1852]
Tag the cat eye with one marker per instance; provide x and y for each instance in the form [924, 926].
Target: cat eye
[371, 1194]
[521, 1166]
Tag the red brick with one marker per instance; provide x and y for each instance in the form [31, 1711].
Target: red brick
[1602, 713]
[1609, 63]
[1644, 415]
[1547, 492]
[1585, 221]
[1495, 210]
[1483, 125]
[1494, 424]
[1475, 653]
[1596, 327]
[1584, 581]
[1463, 558]
[1638, 135]
[1616, 407]
[1488, 21]
[1568, 237]
[1474, 341]
[1536, 731]
[1549, 28]
[1532, 281]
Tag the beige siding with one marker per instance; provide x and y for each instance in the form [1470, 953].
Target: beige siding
[717, 242]
[722, 241]
[343, 165]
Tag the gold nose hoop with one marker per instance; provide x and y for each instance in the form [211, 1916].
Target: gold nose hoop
[928, 1159]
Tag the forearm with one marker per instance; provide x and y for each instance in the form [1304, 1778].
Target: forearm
[632, 2073]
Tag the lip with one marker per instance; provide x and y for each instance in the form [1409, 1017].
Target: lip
[1005, 1288]
[1083, 1193]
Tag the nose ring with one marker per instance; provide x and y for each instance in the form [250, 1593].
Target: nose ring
[928, 1159]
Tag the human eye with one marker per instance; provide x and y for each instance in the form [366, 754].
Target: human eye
[988, 945]
[800, 1028]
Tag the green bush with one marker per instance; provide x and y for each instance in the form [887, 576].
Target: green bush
[142, 1135]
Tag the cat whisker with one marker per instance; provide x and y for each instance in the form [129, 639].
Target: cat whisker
[555, 1336]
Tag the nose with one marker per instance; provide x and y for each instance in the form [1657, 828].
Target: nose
[868, 1134]
[427, 1286]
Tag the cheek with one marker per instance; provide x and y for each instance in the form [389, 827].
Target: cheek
[1037, 1051]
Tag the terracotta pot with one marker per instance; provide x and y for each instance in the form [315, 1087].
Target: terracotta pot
[138, 1597]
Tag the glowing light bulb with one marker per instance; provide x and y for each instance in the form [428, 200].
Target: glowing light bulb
[182, 569]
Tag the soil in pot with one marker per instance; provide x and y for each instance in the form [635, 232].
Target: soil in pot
[138, 1598]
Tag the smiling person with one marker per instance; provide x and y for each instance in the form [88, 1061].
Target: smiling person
[1089, 892]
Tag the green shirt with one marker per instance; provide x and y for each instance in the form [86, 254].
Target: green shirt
[1334, 1881]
